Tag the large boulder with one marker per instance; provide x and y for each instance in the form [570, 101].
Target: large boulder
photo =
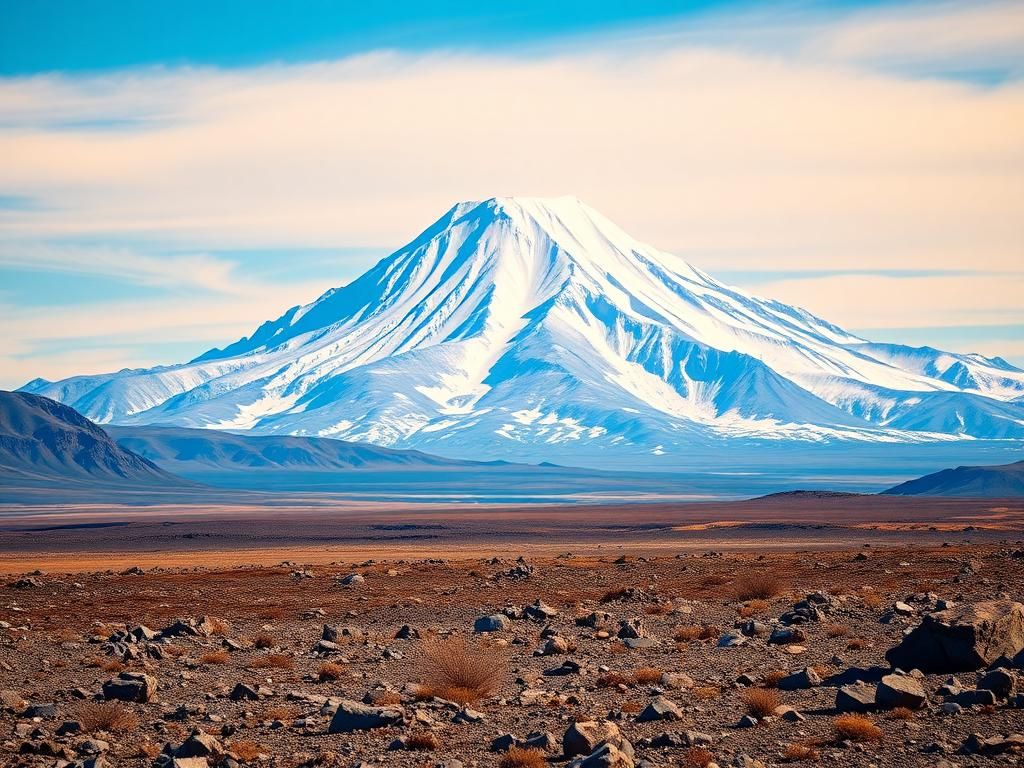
[967, 637]
[353, 716]
[130, 686]
[584, 737]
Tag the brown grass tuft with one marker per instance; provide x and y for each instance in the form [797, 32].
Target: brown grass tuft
[856, 728]
[460, 671]
[616, 593]
[796, 752]
[758, 586]
[263, 641]
[632, 707]
[687, 633]
[871, 600]
[330, 671]
[760, 702]
[658, 609]
[647, 675]
[612, 680]
[215, 657]
[218, 626]
[517, 757]
[902, 713]
[697, 757]
[273, 661]
[425, 741]
[856, 644]
[837, 630]
[113, 666]
[268, 614]
[707, 692]
[771, 679]
[246, 751]
[105, 716]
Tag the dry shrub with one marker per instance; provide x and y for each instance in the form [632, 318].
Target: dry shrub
[105, 716]
[174, 651]
[760, 702]
[857, 644]
[612, 680]
[871, 600]
[837, 630]
[517, 757]
[263, 641]
[114, 666]
[215, 657]
[273, 661]
[771, 679]
[459, 671]
[279, 712]
[707, 692]
[422, 692]
[697, 757]
[796, 752]
[616, 648]
[658, 609]
[330, 671]
[246, 751]
[856, 728]
[616, 593]
[713, 580]
[149, 750]
[267, 614]
[94, 661]
[758, 586]
[632, 707]
[218, 626]
[902, 713]
[687, 633]
[709, 632]
[647, 675]
[387, 699]
[425, 741]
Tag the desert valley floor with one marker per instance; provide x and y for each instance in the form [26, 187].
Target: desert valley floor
[325, 634]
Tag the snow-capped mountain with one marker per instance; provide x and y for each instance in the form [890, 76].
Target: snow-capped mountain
[538, 328]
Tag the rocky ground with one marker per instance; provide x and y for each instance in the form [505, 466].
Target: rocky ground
[674, 659]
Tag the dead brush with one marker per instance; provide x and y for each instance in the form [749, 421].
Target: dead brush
[687, 633]
[613, 680]
[794, 753]
[218, 626]
[424, 741]
[263, 641]
[246, 751]
[856, 728]
[752, 608]
[517, 757]
[697, 757]
[330, 671]
[105, 716]
[273, 661]
[758, 586]
[457, 670]
[647, 676]
[856, 644]
[632, 707]
[771, 679]
[902, 713]
[760, 702]
[707, 692]
[837, 630]
[614, 594]
[871, 600]
[215, 657]
[271, 613]
[113, 666]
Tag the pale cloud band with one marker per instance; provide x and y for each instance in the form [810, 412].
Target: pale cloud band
[734, 159]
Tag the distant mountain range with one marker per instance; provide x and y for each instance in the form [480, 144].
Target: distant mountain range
[532, 330]
[45, 442]
[1003, 481]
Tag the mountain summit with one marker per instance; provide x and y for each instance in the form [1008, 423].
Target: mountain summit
[537, 326]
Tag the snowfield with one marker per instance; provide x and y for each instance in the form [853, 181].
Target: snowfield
[539, 323]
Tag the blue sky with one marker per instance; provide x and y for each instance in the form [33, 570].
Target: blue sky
[176, 173]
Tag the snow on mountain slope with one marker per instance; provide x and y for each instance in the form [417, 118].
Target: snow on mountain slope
[541, 322]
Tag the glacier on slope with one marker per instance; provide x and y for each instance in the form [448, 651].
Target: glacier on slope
[538, 328]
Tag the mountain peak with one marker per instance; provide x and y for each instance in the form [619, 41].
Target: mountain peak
[515, 325]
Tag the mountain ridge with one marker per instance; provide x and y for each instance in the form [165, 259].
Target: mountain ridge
[540, 326]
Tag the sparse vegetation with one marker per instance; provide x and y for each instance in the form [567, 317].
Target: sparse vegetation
[456, 670]
[330, 671]
[837, 630]
[246, 751]
[796, 752]
[707, 692]
[697, 757]
[687, 633]
[856, 644]
[758, 586]
[856, 728]
[902, 713]
[614, 594]
[760, 702]
[771, 679]
[105, 716]
[424, 741]
[215, 657]
[647, 675]
[263, 641]
[516, 757]
[273, 661]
